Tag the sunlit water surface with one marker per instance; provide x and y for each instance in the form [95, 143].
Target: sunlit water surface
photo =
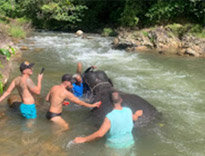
[174, 85]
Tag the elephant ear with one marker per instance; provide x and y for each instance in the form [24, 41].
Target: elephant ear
[102, 76]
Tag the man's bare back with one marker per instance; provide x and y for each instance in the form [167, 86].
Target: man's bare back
[23, 84]
[26, 88]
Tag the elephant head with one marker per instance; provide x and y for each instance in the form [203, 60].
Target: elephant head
[96, 80]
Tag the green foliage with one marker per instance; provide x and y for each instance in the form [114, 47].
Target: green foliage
[170, 10]
[129, 17]
[177, 29]
[1, 87]
[145, 33]
[108, 32]
[17, 31]
[201, 34]
[70, 14]
[23, 20]
[7, 7]
[63, 11]
[7, 52]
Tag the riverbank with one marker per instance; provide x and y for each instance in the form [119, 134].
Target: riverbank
[11, 32]
[175, 39]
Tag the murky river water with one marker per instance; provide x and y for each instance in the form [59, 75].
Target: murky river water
[174, 85]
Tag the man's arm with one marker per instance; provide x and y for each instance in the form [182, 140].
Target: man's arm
[98, 134]
[48, 96]
[137, 114]
[79, 68]
[35, 89]
[8, 91]
[74, 99]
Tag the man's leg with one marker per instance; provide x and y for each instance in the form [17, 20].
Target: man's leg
[61, 122]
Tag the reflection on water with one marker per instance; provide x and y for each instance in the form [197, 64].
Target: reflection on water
[174, 85]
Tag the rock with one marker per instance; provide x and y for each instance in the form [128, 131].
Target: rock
[79, 32]
[116, 41]
[193, 46]
[24, 48]
[161, 52]
[141, 48]
[160, 39]
[191, 52]
[14, 101]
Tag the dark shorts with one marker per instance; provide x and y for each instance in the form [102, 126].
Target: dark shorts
[50, 115]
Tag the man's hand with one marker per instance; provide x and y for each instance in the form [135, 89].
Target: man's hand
[97, 104]
[40, 77]
[94, 67]
[79, 140]
[139, 112]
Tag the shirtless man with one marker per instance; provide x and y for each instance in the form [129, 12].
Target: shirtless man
[56, 97]
[26, 88]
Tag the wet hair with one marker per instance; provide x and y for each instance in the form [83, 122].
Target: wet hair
[115, 97]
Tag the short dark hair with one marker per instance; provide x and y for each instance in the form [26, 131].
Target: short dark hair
[115, 97]
[25, 65]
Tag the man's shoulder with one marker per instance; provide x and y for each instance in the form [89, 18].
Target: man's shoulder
[55, 87]
[127, 109]
[17, 79]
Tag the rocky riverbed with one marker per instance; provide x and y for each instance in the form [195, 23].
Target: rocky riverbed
[159, 39]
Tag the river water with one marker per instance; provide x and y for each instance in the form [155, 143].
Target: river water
[174, 85]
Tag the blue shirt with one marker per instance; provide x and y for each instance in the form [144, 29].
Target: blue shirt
[78, 90]
[120, 133]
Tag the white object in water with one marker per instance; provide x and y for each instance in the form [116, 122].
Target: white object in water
[79, 32]
[70, 143]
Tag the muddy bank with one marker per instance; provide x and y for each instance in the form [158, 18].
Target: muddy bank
[161, 40]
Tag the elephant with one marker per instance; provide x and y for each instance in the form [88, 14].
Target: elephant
[101, 86]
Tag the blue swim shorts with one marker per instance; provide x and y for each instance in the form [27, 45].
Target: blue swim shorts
[28, 111]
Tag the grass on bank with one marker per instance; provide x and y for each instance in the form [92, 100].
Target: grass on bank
[14, 28]
[16, 32]
[180, 30]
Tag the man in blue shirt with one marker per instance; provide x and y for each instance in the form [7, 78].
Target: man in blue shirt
[118, 123]
[78, 86]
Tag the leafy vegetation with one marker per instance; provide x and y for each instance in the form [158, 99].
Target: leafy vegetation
[109, 32]
[17, 32]
[73, 14]
[8, 52]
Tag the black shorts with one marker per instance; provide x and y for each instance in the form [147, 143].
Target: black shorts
[50, 115]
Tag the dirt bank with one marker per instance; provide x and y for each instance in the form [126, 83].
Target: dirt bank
[160, 39]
